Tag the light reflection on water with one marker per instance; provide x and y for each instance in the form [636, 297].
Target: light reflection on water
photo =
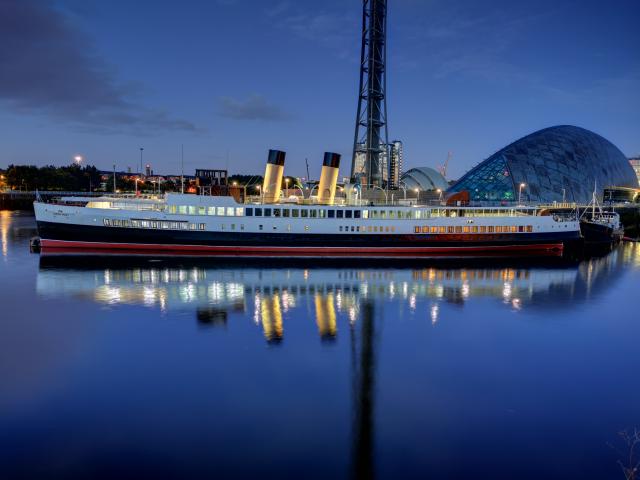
[265, 294]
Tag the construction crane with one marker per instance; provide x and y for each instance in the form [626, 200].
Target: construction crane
[443, 168]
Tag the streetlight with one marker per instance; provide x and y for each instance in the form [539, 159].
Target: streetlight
[286, 183]
[522, 185]
[78, 159]
[439, 190]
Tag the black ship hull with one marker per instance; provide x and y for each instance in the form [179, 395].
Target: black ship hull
[62, 237]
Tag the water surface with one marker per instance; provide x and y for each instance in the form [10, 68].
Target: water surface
[170, 369]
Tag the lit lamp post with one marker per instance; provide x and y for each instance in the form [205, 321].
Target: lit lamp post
[522, 185]
[78, 159]
[259, 192]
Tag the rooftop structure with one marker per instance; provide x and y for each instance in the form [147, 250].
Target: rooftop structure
[561, 163]
[424, 179]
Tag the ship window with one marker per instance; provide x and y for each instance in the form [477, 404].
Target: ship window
[466, 229]
[529, 228]
[340, 228]
[352, 228]
[434, 229]
[276, 212]
[425, 229]
[286, 212]
[267, 212]
[184, 226]
[458, 229]
[182, 209]
[483, 229]
[304, 213]
[450, 229]
[365, 214]
[220, 211]
[211, 210]
[313, 213]
[416, 229]
[107, 222]
[165, 225]
[331, 213]
[393, 229]
[259, 227]
[258, 212]
[192, 210]
[233, 226]
[520, 228]
[408, 214]
[348, 214]
[172, 225]
[202, 226]
[192, 226]
[202, 211]
[239, 211]
[490, 229]
[145, 223]
[514, 229]
[474, 229]
[392, 214]
[340, 214]
[498, 229]
[375, 229]
[295, 213]
[418, 214]
[322, 213]
[369, 228]
[306, 227]
[248, 212]
[172, 209]
[356, 214]
[242, 227]
[231, 211]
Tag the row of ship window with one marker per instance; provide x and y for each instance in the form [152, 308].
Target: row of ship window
[476, 229]
[169, 225]
[334, 213]
[157, 224]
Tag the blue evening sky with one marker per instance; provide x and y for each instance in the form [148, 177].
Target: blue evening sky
[230, 79]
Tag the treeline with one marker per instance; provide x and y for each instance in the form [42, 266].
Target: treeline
[71, 178]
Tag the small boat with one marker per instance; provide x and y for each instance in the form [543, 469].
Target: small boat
[600, 228]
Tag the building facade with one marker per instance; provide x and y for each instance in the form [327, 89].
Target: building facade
[555, 164]
[635, 164]
[395, 163]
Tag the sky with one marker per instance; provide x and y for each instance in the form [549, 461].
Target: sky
[230, 79]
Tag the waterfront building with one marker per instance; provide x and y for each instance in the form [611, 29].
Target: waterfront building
[554, 164]
[423, 179]
[395, 163]
[360, 164]
[635, 164]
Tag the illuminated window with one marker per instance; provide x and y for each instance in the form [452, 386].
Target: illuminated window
[192, 226]
[211, 211]
[459, 229]
[529, 228]
[483, 229]
[239, 212]
[107, 222]
[182, 209]
[466, 229]
[425, 229]
[416, 229]
[202, 211]
[450, 229]
[365, 213]
[202, 226]
[220, 211]
[490, 229]
[514, 229]
[369, 228]
[474, 229]
[230, 211]
[434, 229]
[386, 229]
[441, 230]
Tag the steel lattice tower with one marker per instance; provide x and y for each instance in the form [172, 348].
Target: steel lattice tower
[367, 163]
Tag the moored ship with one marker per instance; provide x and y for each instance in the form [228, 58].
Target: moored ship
[271, 226]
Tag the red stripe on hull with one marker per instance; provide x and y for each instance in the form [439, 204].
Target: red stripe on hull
[63, 246]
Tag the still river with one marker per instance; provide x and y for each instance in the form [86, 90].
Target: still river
[164, 369]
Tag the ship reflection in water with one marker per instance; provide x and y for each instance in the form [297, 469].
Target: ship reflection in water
[333, 297]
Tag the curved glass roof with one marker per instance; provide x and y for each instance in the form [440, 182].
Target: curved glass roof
[550, 162]
[423, 178]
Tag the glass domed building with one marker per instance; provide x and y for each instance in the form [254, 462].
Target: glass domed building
[554, 163]
[424, 179]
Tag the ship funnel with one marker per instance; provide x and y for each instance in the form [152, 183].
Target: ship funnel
[328, 178]
[272, 184]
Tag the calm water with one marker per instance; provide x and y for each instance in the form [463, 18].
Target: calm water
[156, 369]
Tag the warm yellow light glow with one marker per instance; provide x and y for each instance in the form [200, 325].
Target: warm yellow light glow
[522, 185]
[78, 158]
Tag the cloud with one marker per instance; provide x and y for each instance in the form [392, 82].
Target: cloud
[256, 107]
[337, 31]
[49, 66]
